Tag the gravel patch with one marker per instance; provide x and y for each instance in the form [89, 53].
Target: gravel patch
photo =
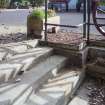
[15, 34]
[71, 37]
[93, 90]
[97, 94]
[13, 37]
[65, 37]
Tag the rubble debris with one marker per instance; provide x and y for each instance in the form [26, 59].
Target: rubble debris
[97, 94]
[13, 37]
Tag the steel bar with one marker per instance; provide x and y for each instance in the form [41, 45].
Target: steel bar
[98, 24]
[46, 6]
[69, 26]
[84, 18]
[95, 20]
[73, 26]
[88, 20]
[100, 18]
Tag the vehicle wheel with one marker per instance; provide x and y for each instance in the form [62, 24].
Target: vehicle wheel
[99, 17]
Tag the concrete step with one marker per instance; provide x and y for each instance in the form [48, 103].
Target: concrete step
[22, 62]
[31, 80]
[78, 101]
[7, 54]
[82, 95]
[58, 90]
[9, 71]
[8, 51]
[14, 48]
[3, 54]
[31, 52]
[32, 57]
[21, 46]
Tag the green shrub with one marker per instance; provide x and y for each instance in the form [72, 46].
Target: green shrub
[38, 13]
[36, 3]
[4, 3]
[102, 3]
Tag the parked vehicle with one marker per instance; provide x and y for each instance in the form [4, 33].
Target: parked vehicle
[64, 4]
[57, 6]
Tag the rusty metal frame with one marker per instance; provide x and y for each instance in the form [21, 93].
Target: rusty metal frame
[86, 20]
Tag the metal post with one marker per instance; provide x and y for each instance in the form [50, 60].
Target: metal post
[88, 20]
[84, 18]
[46, 6]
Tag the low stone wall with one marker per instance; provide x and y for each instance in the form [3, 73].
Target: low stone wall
[95, 52]
[77, 57]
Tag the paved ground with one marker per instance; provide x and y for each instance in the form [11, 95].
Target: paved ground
[10, 19]
[75, 19]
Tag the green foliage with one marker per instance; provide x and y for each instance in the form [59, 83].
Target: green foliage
[36, 3]
[38, 13]
[13, 1]
[4, 3]
[102, 3]
[19, 1]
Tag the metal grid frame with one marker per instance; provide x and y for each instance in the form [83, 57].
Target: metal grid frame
[86, 20]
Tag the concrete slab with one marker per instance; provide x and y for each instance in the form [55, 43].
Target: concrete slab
[6, 74]
[8, 70]
[51, 97]
[19, 48]
[26, 62]
[30, 58]
[81, 97]
[32, 53]
[31, 43]
[78, 101]
[33, 78]
[64, 81]
[2, 55]
[57, 90]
